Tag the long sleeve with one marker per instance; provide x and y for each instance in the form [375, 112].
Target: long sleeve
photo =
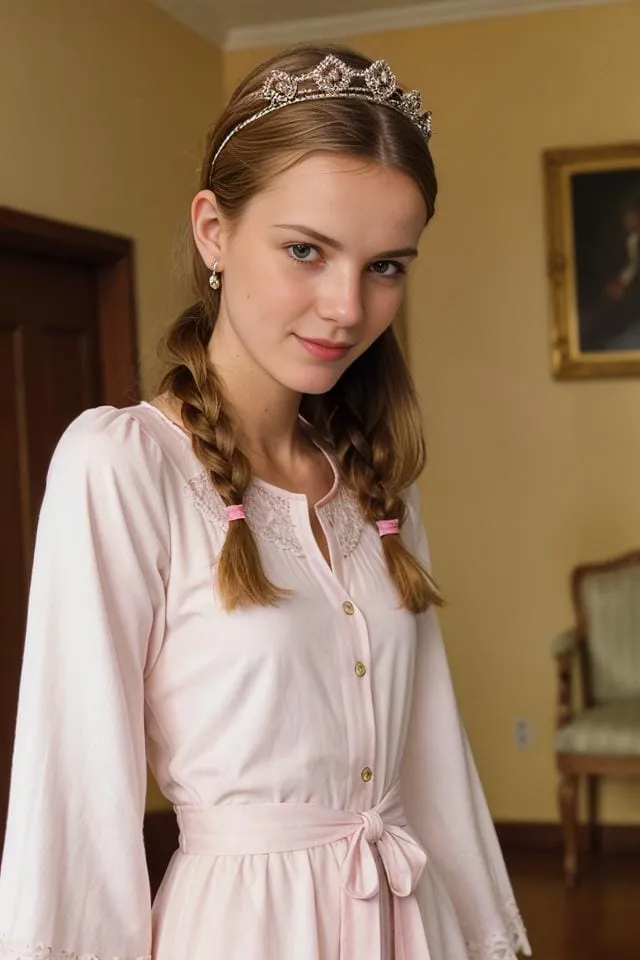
[445, 802]
[73, 881]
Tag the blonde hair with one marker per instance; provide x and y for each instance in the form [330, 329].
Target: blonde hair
[370, 419]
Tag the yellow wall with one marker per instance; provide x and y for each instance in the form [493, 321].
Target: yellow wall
[103, 110]
[528, 475]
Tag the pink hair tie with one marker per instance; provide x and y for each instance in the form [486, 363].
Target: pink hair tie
[235, 512]
[386, 527]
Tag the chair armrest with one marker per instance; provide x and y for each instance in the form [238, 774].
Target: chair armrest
[564, 646]
[565, 643]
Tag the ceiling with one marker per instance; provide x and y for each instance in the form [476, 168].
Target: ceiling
[246, 23]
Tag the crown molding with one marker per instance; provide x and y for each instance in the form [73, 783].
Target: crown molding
[379, 21]
[196, 16]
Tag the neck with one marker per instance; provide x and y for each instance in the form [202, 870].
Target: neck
[264, 413]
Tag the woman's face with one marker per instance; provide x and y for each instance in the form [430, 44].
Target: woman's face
[315, 269]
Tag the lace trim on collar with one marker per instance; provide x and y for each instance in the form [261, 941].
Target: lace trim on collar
[270, 517]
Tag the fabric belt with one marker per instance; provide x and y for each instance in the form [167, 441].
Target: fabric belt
[237, 829]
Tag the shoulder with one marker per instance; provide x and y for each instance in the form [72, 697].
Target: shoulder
[411, 497]
[104, 442]
[414, 533]
[108, 475]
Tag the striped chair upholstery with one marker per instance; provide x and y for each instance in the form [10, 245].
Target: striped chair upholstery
[610, 729]
[610, 726]
[603, 737]
[611, 602]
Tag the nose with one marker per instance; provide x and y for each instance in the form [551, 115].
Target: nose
[340, 299]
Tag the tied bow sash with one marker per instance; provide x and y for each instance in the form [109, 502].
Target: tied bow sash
[237, 829]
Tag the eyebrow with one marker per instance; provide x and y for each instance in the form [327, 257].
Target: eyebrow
[336, 245]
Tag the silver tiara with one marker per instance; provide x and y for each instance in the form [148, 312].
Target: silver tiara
[333, 79]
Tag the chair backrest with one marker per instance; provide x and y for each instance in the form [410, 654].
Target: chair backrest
[607, 601]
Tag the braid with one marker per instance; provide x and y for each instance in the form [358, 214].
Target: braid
[371, 419]
[192, 380]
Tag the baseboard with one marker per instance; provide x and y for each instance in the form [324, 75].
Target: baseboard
[609, 838]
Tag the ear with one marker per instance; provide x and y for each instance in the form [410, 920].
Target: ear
[208, 230]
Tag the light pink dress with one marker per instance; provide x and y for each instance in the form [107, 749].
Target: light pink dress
[309, 832]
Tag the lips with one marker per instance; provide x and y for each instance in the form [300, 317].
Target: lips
[324, 349]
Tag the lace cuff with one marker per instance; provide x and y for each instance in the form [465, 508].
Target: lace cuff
[14, 950]
[508, 943]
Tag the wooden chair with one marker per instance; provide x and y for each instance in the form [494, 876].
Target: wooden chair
[603, 737]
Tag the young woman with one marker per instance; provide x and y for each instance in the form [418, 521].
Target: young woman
[232, 583]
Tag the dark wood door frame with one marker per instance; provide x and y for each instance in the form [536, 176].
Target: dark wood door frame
[112, 256]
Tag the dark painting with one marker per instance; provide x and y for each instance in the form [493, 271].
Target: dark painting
[593, 230]
[606, 230]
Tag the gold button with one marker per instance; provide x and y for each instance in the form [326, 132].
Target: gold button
[360, 668]
[348, 608]
[366, 774]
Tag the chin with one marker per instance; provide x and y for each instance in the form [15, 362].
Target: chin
[321, 383]
[319, 391]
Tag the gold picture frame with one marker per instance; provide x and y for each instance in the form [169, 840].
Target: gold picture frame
[593, 247]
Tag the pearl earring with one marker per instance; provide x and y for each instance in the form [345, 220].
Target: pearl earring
[214, 279]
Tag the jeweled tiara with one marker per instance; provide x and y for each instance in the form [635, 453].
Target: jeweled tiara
[333, 79]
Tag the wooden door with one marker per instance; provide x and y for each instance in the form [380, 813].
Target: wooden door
[52, 317]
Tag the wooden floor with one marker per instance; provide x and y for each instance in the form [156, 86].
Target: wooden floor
[598, 920]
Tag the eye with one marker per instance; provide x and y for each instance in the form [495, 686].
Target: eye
[302, 252]
[387, 268]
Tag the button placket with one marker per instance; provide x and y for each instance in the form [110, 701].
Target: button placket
[353, 631]
[357, 635]
[357, 689]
